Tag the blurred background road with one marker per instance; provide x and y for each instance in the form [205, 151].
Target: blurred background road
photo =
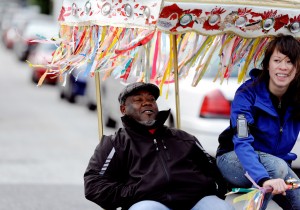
[45, 143]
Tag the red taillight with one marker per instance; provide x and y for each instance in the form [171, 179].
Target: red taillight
[215, 105]
[29, 42]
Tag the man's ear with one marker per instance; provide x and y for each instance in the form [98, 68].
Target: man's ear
[122, 109]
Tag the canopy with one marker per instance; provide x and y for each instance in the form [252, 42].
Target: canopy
[116, 36]
[160, 41]
[251, 19]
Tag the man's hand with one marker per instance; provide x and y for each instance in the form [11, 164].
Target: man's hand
[279, 186]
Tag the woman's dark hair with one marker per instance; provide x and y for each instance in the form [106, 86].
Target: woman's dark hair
[289, 46]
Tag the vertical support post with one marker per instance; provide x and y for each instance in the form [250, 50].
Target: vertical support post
[99, 105]
[177, 99]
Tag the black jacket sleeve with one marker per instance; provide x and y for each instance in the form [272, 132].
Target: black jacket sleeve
[103, 177]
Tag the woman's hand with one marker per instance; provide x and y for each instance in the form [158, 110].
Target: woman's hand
[279, 186]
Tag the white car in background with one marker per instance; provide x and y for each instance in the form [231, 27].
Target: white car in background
[43, 26]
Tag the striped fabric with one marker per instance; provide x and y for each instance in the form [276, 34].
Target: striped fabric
[106, 164]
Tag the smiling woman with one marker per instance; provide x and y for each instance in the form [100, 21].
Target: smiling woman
[283, 66]
[269, 104]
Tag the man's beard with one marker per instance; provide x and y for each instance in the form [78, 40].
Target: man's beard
[147, 123]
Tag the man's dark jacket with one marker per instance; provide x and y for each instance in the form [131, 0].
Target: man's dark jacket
[169, 166]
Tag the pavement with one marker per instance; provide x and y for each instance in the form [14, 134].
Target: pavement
[42, 197]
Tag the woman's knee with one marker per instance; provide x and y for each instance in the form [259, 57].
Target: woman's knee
[232, 170]
[227, 161]
[282, 170]
[276, 167]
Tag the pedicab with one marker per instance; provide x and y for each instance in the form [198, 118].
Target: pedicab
[160, 41]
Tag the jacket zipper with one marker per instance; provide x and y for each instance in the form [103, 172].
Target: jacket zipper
[161, 160]
[280, 136]
[166, 149]
[155, 143]
[282, 122]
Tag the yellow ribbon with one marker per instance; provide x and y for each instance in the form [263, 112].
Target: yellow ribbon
[242, 74]
[170, 64]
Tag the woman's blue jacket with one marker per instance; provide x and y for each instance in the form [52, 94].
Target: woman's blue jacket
[269, 134]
